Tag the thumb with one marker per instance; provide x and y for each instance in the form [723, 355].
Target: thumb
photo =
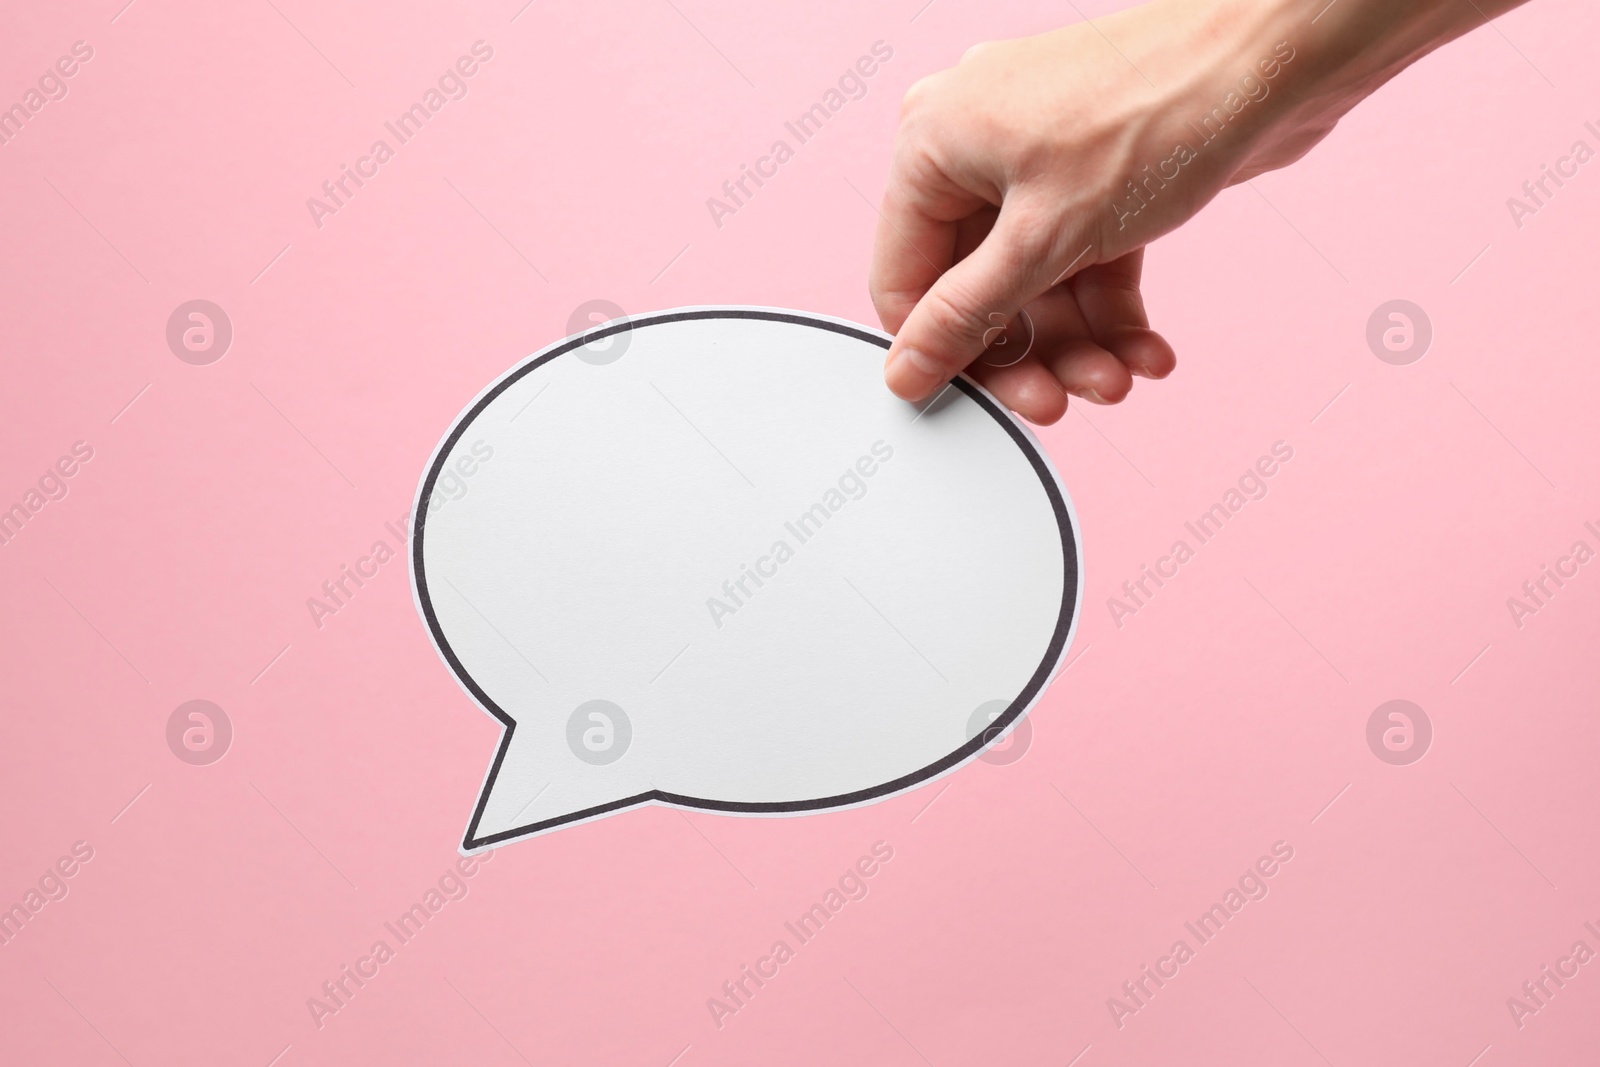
[969, 304]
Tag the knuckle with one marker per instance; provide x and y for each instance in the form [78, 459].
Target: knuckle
[1034, 241]
[1120, 291]
[890, 302]
[1034, 232]
[917, 95]
[953, 316]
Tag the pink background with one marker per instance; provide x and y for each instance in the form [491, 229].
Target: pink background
[1223, 717]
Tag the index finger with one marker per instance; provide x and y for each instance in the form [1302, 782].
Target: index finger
[918, 226]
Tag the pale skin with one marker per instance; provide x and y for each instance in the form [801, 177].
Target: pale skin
[1009, 189]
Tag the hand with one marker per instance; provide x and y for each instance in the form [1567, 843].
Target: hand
[1030, 177]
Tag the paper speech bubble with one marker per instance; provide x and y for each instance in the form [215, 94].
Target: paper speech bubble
[724, 568]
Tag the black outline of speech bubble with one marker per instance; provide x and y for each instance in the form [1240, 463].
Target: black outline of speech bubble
[998, 728]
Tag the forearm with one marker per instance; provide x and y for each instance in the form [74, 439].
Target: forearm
[1350, 41]
[1345, 50]
[1247, 86]
[1033, 174]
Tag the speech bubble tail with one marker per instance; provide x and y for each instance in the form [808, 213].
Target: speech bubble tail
[517, 803]
[684, 559]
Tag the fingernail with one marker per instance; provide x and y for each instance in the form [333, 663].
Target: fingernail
[910, 374]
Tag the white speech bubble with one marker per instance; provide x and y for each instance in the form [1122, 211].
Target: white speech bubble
[726, 569]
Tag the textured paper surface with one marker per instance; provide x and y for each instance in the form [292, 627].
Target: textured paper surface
[705, 557]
